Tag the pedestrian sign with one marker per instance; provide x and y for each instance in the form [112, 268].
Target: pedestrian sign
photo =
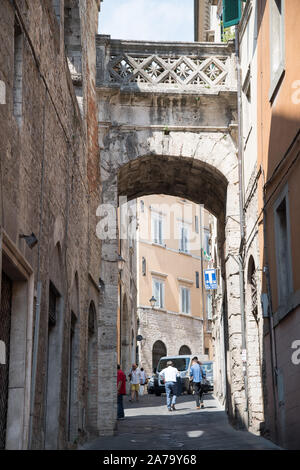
[210, 279]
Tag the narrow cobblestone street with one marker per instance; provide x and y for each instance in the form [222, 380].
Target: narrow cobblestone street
[149, 426]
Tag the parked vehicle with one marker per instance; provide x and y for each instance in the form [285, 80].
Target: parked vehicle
[150, 385]
[209, 369]
[183, 364]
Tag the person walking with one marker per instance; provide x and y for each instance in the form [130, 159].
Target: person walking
[197, 374]
[169, 375]
[121, 386]
[135, 380]
[203, 381]
[143, 382]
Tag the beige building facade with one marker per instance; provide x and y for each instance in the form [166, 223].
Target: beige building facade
[173, 245]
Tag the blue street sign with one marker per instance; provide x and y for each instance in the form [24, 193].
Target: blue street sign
[210, 279]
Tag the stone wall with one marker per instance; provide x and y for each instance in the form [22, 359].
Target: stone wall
[48, 154]
[174, 330]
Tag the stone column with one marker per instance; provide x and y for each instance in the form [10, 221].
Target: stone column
[234, 364]
[107, 319]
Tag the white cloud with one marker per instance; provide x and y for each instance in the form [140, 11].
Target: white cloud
[152, 20]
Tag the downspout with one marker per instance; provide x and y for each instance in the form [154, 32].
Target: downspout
[242, 220]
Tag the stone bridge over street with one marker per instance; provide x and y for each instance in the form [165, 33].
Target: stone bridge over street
[167, 125]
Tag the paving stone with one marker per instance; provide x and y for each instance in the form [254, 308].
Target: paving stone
[149, 426]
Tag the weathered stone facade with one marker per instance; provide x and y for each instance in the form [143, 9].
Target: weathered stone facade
[160, 133]
[49, 187]
[127, 287]
[172, 329]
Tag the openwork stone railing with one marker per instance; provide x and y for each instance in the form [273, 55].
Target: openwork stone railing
[165, 66]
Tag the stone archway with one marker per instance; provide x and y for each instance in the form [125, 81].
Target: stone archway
[164, 136]
[215, 186]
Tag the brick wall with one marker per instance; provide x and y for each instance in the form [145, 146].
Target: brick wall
[49, 178]
[174, 330]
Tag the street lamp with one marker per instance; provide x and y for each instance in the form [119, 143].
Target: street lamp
[121, 262]
[31, 240]
[152, 301]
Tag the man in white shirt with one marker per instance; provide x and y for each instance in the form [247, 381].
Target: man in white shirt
[135, 380]
[170, 374]
[143, 382]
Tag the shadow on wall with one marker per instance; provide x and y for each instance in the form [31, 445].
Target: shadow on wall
[281, 223]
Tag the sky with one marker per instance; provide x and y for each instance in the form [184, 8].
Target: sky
[149, 20]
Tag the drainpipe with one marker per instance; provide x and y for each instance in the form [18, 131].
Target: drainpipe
[242, 219]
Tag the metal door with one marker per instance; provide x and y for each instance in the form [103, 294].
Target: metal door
[5, 321]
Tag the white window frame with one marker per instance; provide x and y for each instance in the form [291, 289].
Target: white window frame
[206, 241]
[247, 100]
[160, 301]
[185, 307]
[156, 221]
[276, 75]
[184, 245]
[196, 223]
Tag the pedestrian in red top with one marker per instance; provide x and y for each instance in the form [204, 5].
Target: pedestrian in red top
[121, 384]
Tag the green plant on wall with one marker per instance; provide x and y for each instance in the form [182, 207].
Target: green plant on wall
[227, 33]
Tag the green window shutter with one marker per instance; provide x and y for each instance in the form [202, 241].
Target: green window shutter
[231, 12]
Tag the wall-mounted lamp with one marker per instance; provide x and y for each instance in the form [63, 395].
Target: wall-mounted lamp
[152, 301]
[31, 240]
[121, 263]
[101, 284]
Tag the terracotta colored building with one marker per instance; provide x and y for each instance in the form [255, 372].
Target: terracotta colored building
[278, 152]
[174, 247]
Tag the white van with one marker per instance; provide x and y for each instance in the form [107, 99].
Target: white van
[183, 364]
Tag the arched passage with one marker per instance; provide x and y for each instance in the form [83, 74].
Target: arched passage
[184, 350]
[207, 178]
[197, 160]
[56, 298]
[73, 369]
[186, 177]
[92, 370]
[158, 350]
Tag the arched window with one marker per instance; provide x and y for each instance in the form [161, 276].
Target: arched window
[184, 351]
[92, 369]
[253, 285]
[159, 350]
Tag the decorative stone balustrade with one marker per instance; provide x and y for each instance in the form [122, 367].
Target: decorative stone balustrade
[165, 67]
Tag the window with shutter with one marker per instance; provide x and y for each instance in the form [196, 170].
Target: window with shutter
[184, 238]
[197, 279]
[231, 12]
[185, 295]
[157, 229]
[158, 293]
